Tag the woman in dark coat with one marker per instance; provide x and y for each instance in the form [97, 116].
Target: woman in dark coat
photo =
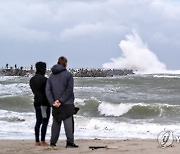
[41, 104]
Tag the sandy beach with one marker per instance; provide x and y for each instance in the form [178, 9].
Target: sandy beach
[108, 147]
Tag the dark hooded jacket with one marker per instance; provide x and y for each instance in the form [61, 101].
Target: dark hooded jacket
[60, 87]
[38, 84]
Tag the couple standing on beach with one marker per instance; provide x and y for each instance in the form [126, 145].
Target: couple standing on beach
[56, 92]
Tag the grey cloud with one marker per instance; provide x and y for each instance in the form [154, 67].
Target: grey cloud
[58, 24]
[89, 30]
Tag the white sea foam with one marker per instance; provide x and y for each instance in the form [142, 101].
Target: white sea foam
[137, 56]
[13, 122]
[103, 128]
[14, 89]
[79, 101]
[166, 76]
[5, 78]
[116, 110]
[85, 127]
[15, 125]
[108, 109]
[94, 88]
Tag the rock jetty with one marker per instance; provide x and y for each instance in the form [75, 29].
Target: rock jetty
[99, 72]
[76, 72]
[16, 72]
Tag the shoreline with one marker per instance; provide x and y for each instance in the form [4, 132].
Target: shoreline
[129, 146]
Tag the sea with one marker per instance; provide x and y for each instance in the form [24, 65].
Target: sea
[121, 107]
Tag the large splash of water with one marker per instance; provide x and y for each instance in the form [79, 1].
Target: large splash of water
[136, 56]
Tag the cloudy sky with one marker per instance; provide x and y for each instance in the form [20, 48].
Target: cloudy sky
[87, 32]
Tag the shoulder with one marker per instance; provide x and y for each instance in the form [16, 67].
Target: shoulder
[69, 74]
[32, 78]
[39, 78]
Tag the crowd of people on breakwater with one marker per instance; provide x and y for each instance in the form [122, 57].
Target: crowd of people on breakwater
[16, 71]
[27, 71]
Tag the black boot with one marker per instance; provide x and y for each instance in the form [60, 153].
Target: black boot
[71, 145]
[52, 144]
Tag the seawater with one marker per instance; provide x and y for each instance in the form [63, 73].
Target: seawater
[122, 107]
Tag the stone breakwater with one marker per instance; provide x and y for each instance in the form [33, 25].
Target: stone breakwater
[76, 72]
[99, 72]
[16, 72]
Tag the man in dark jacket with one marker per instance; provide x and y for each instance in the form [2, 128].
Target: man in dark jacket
[59, 91]
[41, 104]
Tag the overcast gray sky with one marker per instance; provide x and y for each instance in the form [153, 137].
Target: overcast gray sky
[87, 32]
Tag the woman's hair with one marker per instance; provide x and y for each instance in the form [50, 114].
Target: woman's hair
[62, 61]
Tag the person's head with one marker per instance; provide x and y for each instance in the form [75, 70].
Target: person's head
[62, 61]
[40, 67]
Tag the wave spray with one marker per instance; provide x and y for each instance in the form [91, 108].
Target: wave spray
[136, 56]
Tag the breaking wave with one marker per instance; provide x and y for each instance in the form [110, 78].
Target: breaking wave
[94, 107]
[138, 57]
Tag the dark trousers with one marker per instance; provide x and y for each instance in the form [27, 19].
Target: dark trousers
[69, 130]
[41, 121]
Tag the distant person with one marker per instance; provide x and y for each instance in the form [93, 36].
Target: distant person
[41, 104]
[31, 68]
[7, 66]
[59, 91]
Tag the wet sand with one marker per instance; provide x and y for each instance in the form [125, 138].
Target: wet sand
[107, 147]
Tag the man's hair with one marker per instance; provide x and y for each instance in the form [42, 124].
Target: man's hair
[62, 61]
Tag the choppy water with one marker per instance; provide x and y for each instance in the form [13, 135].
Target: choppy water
[135, 106]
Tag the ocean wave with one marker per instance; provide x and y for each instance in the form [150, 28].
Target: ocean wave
[139, 110]
[11, 116]
[89, 89]
[7, 78]
[15, 125]
[108, 109]
[96, 108]
[107, 128]
[89, 107]
[14, 89]
[86, 127]
[167, 76]
[17, 103]
[79, 101]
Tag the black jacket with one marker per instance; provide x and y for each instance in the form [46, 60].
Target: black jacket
[38, 84]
